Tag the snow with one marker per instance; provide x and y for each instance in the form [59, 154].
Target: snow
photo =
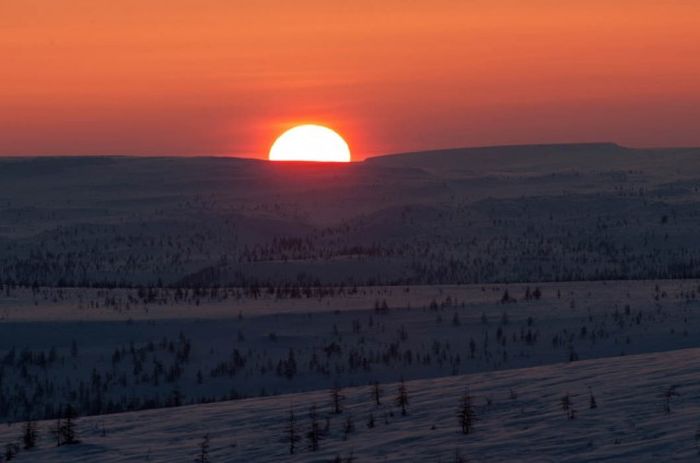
[218, 348]
[508, 214]
[524, 421]
[522, 274]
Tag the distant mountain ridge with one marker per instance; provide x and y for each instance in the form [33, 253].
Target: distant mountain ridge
[587, 156]
[511, 149]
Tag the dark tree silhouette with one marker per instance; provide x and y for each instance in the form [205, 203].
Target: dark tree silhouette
[11, 451]
[466, 413]
[314, 433]
[337, 399]
[377, 393]
[348, 427]
[55, 431]
[29, 435]
[203, 456]
[402, 398]
[668, 394]
[292, 433]
[68, 434]
[593, 402]
[565, 402]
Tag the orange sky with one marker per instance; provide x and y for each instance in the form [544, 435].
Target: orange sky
[183, 77]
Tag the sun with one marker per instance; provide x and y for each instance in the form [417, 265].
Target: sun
[310, 142]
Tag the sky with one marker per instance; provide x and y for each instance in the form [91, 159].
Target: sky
[215, 77]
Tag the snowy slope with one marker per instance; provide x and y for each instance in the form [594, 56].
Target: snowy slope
[139, 283]
[502, 214]
[523, 422]
[101, 353]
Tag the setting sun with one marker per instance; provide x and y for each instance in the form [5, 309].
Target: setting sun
[310, 143]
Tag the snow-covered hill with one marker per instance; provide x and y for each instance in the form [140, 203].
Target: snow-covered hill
[536, 279]
[647, 409]
[105, 351]
[529, 213]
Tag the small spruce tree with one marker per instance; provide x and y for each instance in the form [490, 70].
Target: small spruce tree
[337, 399]
[67, 429]
[11, 451]
[348, 427]
[29, 435]
[565, 402]
[466, 413]
[402, 398]
[377, 393]
[203, 456]
[292, 433]
[371, 421]
[56, 431]
[314, 433]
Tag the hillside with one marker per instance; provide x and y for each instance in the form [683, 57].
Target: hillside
[484, 215]
[165, 299]
[519, 417]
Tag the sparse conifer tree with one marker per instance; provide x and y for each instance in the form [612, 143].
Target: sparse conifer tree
[292, 434]
[67, 428]
[11, 450]
[348, 427]
[203, 456]
[377, 393]
[337, 399]
[667, 396]
[505, 298]
[402, 398]
[29, 435]
[466, 414]
[566, 402]
[314, 433]
[56, 431]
